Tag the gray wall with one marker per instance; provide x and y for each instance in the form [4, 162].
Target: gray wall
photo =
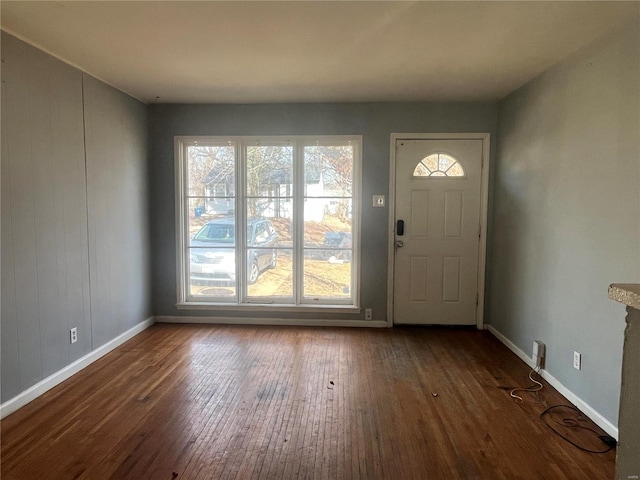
[117, 196]
[375, 122]
[567, 213]
[74, 227]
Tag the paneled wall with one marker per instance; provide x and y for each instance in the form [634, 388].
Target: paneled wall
[67, 217]
[116, 139]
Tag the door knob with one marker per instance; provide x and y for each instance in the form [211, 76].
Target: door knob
[399, 244]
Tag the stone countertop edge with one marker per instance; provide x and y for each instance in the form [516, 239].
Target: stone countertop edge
[627, 293]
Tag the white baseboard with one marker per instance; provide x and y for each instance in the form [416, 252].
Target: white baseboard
[290, 322]
[60, 376]
[583, 406]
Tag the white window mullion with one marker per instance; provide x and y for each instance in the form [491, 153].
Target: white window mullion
[241, 221]
[185, 212]
[183, 227]
[356, 208]
[298, 221]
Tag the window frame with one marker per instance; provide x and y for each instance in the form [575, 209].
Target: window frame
[241, 300]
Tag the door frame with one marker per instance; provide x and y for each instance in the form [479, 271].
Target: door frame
[484, 206]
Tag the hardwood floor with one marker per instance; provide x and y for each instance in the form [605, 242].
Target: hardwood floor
[225, 402]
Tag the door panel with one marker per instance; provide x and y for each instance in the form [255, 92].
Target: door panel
[419, 217]
[453, 217]
[451, 279]
[419, 275]
[436, 269]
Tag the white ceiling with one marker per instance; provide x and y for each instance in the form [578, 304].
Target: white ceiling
[306, 51]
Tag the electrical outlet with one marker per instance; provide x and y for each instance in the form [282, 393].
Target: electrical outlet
[368, 314]
[577, 360]
[73, 335]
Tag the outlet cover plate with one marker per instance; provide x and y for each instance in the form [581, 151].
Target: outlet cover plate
[577, 360]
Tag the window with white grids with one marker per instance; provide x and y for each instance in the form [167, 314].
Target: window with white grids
[271, 221]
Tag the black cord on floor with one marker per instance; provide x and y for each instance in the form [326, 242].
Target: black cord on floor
[569, 422]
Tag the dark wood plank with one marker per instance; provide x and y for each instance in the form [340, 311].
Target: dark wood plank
[237, 402]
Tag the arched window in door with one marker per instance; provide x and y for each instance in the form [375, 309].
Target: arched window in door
[439, 165]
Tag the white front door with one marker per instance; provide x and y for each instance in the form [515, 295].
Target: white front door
[438, 188]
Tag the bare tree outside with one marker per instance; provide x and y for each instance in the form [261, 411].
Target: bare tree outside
[269, 176]
[331, 167]
[334, 163]
[211, 166]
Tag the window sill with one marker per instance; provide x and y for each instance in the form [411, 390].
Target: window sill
[261, 307]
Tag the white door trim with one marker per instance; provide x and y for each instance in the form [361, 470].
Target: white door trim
[484, 206]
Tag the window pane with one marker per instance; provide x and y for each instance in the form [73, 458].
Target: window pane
[275, 274]
[269, 267]
[446, 162]
[212, 271]
[455, 171]
[212, 259]
[421, 171]
[269, 171]
[203, 210]
[211, 171]
[214, 293]
[278, 210]
[213, 232]
[279, 215]
[327, 222]
[431, 162]
[328, 171]
[327, 274]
